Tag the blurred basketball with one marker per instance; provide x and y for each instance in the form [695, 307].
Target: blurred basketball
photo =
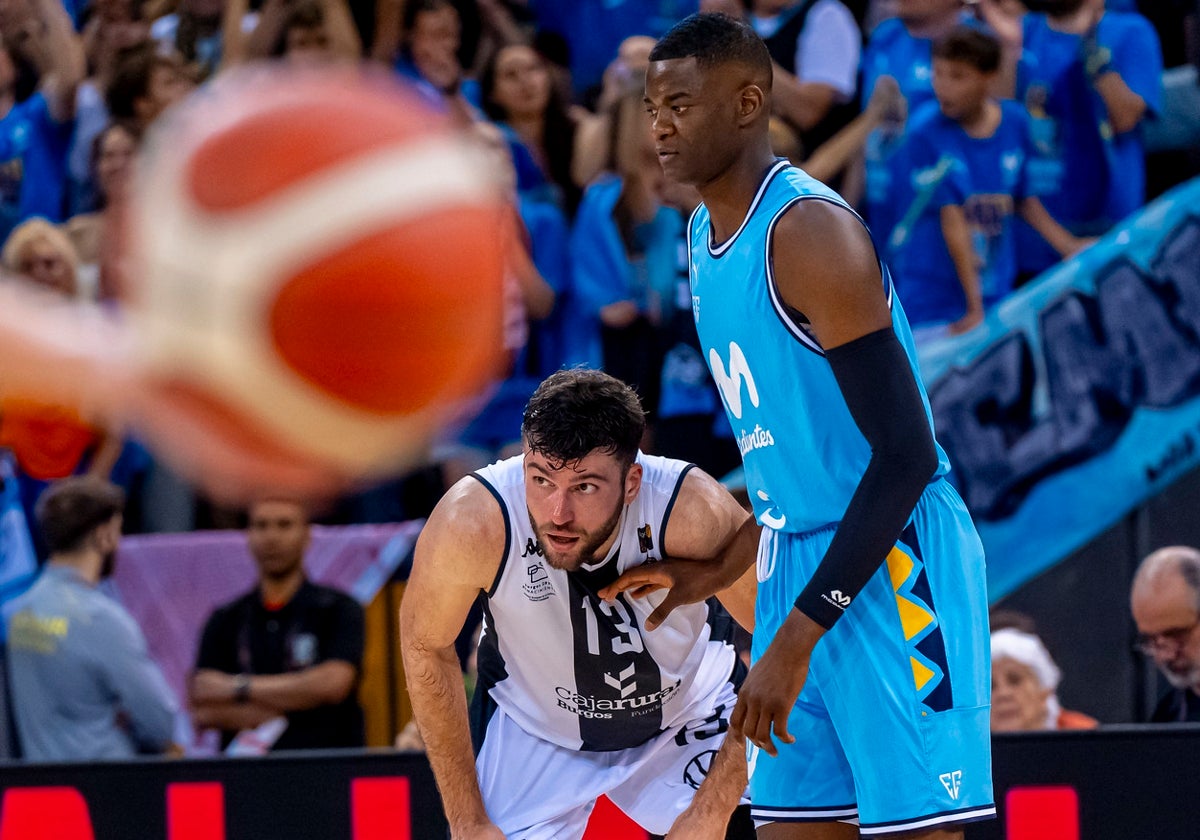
[314, 266]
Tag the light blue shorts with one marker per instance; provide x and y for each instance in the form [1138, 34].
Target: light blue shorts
[892, 727]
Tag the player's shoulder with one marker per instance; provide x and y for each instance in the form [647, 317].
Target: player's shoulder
[657, 469]
[471, 515]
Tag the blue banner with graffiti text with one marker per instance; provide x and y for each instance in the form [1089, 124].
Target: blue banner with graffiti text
[1079, 397]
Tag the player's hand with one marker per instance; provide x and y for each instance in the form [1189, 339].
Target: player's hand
[686, 582]
[767, 696]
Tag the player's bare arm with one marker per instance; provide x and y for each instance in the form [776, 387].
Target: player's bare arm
[710, 546]
[457, 555]
[708, 815]
[826, 268]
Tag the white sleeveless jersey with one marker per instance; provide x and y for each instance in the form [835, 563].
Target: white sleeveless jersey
[581, 672]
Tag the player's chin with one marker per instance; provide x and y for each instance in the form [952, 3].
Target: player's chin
[564, 561]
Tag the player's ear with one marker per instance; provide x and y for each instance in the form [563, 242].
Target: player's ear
[633, 482]
[751, 104]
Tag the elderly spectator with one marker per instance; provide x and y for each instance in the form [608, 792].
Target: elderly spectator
[1165, 600]
[1025, 686]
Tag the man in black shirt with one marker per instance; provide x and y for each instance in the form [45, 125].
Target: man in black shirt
[1166, 608]
[287, 648]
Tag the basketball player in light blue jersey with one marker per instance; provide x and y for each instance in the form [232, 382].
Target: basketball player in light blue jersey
[867, 701]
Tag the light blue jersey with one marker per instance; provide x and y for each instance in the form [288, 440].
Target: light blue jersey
[803, 454]
[909, 656]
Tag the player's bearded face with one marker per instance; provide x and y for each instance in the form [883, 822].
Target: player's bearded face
[584, 544]
[575, 508]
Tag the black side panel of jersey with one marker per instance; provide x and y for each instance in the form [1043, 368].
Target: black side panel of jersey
[619, 690]
[722, 628]
[492, 671]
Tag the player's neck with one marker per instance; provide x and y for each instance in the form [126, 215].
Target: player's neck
[729, 196]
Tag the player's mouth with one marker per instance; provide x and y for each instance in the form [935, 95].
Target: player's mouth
[663, 154]
[562, 540]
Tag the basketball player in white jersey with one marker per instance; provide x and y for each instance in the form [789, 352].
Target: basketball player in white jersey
[574, 698]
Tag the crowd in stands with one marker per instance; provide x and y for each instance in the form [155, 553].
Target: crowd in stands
[982, 142]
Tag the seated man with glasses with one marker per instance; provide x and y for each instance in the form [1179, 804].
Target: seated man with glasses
[1166, 608]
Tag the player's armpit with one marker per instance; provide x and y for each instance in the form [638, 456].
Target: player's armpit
[825, 266]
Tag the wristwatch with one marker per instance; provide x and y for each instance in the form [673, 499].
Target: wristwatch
[241, 688]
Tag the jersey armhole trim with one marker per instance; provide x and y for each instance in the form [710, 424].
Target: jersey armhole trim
[507, 532]
[782, 310]
[662, 528]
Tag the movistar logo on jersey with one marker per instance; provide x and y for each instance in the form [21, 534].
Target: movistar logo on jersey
[756, 439]
[730, 383]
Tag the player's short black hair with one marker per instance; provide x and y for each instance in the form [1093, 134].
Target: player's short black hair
[971, 46]
[577, 411]
[714, 39]
[68, 511]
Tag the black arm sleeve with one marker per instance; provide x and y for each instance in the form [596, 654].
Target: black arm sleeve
[881, 392]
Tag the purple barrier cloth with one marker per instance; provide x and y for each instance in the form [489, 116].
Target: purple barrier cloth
[171, 583]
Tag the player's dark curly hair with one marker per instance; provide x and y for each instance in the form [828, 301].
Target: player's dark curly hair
[576, 411]
[714, 39]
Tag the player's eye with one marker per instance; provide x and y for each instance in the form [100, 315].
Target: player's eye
[586, 487]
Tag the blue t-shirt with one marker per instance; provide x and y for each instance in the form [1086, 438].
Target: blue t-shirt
[595, 28]
[892, 51]
[1089, 177]
[33, 163]
[987, 177]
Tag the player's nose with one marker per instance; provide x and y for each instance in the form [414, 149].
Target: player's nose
[561, 510]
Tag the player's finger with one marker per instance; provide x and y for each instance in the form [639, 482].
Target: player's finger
[659, 614]
[781, 731]
[640, 576]
[760, 731]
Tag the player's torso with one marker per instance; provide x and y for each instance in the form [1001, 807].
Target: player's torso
[576, 670]
[802, 451]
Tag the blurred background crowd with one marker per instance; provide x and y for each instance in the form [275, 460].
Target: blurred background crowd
[982, 141]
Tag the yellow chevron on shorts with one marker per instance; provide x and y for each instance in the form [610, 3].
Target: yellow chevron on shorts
[913, 618]
[900, 567]
[921, 674]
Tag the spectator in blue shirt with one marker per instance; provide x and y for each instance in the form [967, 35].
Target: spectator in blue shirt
[593, 29]
[901, 48]
[968, 156]
[35, 134]
[1088, 77]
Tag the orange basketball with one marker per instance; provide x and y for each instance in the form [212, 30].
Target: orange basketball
[317, 262]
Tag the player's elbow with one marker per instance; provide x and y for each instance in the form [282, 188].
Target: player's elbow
[911, 453]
